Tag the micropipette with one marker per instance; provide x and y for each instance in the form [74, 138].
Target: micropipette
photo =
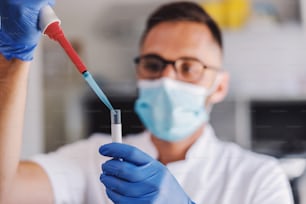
[50, 26]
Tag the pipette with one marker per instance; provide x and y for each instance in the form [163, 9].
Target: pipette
[50, 25]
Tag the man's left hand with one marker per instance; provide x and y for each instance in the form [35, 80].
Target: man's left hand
[133, 177]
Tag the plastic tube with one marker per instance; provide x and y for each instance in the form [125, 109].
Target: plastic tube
[116, 129]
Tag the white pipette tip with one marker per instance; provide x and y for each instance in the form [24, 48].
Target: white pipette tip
[94, 86]
[116, 128]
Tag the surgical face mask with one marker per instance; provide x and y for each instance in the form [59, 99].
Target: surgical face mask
[171, 110]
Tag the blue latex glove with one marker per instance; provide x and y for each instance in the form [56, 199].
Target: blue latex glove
[137, 178]
[19, 32]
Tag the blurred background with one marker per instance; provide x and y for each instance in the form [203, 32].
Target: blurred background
[265, 46]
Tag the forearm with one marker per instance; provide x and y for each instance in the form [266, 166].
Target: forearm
[13, 87]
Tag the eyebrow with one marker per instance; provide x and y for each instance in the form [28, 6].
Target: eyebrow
[182, 57]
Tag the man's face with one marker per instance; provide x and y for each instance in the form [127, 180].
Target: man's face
[174, 40]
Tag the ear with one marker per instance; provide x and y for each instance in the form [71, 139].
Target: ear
[221, 89]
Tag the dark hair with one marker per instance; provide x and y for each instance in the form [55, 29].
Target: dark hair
[183, 11]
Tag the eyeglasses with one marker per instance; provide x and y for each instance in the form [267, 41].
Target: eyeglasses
[188, 69]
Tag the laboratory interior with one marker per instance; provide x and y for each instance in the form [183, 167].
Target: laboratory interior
[265, 55]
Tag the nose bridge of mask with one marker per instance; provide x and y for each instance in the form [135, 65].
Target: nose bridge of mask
[175, 92]
[182, 95]
[156, 93]
[172, 84]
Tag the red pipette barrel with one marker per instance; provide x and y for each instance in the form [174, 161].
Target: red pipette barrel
[55, 32]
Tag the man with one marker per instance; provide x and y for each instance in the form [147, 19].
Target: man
[180, 161]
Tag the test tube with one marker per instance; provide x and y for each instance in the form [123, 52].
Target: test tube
[116, 129]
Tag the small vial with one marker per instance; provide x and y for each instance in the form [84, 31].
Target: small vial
[116, 128]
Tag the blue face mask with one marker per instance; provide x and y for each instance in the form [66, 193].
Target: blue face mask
[171, 110]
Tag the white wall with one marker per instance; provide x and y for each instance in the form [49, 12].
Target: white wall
[303, 12]
[267, 62]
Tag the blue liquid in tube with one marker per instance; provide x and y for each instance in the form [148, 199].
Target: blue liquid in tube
[94, 86]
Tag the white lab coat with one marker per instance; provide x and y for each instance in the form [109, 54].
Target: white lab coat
[214, 172]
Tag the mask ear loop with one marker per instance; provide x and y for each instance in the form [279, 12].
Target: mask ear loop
[211, 90]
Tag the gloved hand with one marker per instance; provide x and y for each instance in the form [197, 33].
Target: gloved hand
[137, 178]
[19, 32]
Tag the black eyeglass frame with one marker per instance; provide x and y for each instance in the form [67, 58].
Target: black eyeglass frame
[171, 62]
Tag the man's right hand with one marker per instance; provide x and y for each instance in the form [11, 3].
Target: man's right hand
[19, 31]
[19, 35]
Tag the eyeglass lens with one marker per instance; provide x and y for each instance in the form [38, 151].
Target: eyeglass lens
[187, 69]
